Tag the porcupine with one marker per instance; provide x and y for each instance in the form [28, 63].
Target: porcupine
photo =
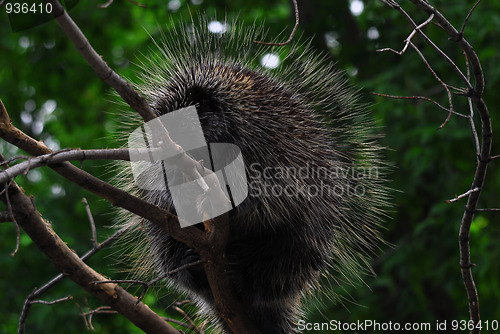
[307, 145]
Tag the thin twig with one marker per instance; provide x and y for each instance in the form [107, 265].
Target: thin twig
[471, 110]
[147, 285]
[186, 316]
[473, 127]
[455, 68]
[180, 323]
[468, 17]
[420, 98]
[13, 219]
[99, 310]
[440, 81]
[489, 209]
[408, 39]
[46, 287]
[92, 222]
[60, 300]
[467, 193]
[296, 9]
[14, 158]
[107, 4]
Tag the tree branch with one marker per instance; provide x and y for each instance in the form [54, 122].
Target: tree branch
[296, 10]
[211, 244]
[474, 94]
[46, 287]
[483, 159]
[100, 67]
[68, 263]
[78, 154]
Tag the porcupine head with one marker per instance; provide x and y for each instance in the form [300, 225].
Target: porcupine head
[312, 175]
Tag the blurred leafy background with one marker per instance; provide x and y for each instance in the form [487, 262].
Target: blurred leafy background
[53, 95]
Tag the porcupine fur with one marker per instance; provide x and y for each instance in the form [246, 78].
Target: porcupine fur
[299, 127]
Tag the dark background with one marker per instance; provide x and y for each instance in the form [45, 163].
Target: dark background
[418, 274]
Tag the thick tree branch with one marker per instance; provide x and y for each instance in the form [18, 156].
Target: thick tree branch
[192, 168]
[211, 244]
[68, 263]
[101, 68]
[164, 219]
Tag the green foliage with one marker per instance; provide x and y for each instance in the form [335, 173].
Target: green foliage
[418, 275]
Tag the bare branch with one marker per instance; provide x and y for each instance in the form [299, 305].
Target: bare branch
[107, 4]
[14, 158]
[92, 222]
[484, 157]
[490, 209]
[467, 193]
[147, 285]
[421, 98]
[78, 154]
[455, 68]
[164, 219]
[180, 323]
[100, 67]
[471, 110]
[468, 17]
[11, 213]
[473, 127]
[408, 39]
[296, 9]
[39, 292]
[60, 300]
[458, 38]
[177, 307]
[100, 310]
[483, 147]
[440, 81]
[66, 261]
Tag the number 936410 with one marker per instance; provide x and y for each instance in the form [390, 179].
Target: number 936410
[28, 8]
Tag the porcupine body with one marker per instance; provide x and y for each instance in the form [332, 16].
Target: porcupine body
[314, 177]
